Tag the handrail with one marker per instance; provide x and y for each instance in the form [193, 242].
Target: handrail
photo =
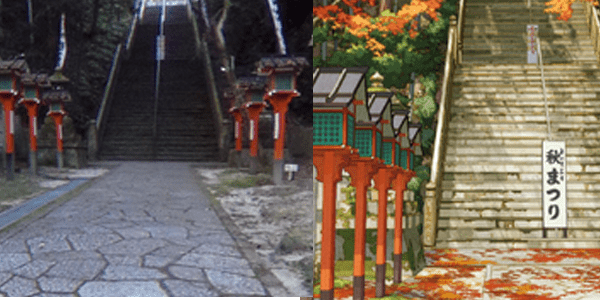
[192, 18]
[593, 22]
[108, 91]
[433, 188]
[461, 25]
[213, 94]
[541, 64]
[132, 30]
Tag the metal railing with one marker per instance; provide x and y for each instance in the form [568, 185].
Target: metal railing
[541, 65]
[433, 188]
[108, 93]
[159, 58]
[591, 14]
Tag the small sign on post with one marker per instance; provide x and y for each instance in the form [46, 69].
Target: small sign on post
[532, 54]
[160, 47]
[554, 185]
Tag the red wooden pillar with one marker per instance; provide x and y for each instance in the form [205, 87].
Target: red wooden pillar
[32, 111]
[329, 163]
[237, 115]
[280, 101]
[8, 104]
[58, 120]
[254, 109]
[399, 187]
[361, 169]
[383, 180]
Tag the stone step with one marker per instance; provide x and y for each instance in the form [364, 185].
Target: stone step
[537, 176]
[590, 58]
[513, 185]
[515, 198]
[528, 67]
[575, 205]
[517, 40]
[526, 89]
[512, 234]
[495, 127]
[533, 143]
[554, 82]
[465, 111]
[573, 223]
[512, 213]
[553, 104]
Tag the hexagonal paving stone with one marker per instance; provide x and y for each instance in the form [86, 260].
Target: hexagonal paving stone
[118, 259]
[179, 288]
[121, 289]
[13, 246]
[233, 284]
[188, 273]
[167, 231]
[132, 247]
[19, 287]
[131, 273]
[171, 250]
[133, 232]
[157, 261]
[58, 285]
[48, 243]
[77, 269]
[92, 241]
[223, 263]
[11, 261]
[218, 249]
[34, 268]
[4, 277]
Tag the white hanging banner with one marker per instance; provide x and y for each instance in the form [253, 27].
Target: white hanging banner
[532, 54]
[62, 45]
[554, 185]
[34, 126]
[276, 129]
[237, 128]
[60, 133]
[251, 130]
[11, 122]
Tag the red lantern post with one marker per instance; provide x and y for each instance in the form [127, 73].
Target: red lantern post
[254, 95]
[56, 98]
[10, 91]
[32, 85]
[282, 73]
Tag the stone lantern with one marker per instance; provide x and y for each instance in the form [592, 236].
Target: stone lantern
[281, 73]
[55, 99]
[10, 91]
[254, 88]
[33, 86]
[414, 134]
[238, 118]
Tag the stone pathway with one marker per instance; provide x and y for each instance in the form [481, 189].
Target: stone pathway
[144, 229]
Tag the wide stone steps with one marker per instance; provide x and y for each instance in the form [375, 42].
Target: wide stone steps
[489, 59]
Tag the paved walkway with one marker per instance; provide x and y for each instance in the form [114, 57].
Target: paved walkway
[144, 229]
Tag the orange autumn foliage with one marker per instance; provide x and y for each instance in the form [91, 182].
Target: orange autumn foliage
[361, 25]
[563, 8]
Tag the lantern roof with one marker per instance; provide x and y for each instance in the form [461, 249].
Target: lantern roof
[379, 106]
[400, 118]
[57, 95]
[18, 65]
[414, 134]
[400, 124]
[43, 81]
[58, 78]
[278, 64]
[253, 83]
[29, 79]
[339, 86]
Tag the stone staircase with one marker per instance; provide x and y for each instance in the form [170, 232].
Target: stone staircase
[491, 192]
[495, 32]
[185, 126]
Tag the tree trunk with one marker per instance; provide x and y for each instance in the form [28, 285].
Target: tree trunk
[221, 45]
[385, 4]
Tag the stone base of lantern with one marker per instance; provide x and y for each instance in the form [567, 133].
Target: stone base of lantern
[60, 163]
[32, 162]
[278, 172]
[10, 166]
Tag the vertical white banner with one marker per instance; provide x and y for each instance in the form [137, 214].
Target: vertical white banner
[160, 47]
[276, 129]
[34, 126]
[554, 185]
[237, 129]
[60, 133]
[532, 55]
[11, 122]
[251, 130]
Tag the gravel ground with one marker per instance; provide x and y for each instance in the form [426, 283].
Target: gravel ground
[275, 220]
